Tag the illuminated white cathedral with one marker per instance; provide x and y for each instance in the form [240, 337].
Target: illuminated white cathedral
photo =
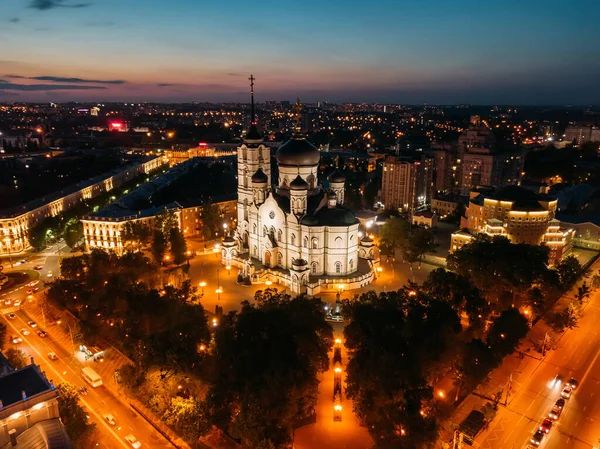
[298, 231]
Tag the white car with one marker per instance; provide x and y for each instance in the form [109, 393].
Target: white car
[32, 323]
[17, 303]
[50, 274]
[52, 356]
[8, 301]
[25, 332]
[133, 441]
[110, 419]
[16, 340]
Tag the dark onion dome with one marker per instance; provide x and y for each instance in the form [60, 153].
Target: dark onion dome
[330, 217]
[336, 176]
[253, 133]
[299, 262]
[228, 239]
[298, 152]
[260, 177]
[299, 184]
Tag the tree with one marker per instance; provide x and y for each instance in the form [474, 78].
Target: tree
[3, 332]
[159, 246]
[568, 270]
[583, 292]
[17, 358]
[420, 241]
[71, 413]
[138, 232]
[392, 340]
[394, 233]
[37, 236]
[506, 331]
[178, 246]
[267, 359]
[164, 222]
[73, 233]
[189, 416]
[565, 319]
[211, 221]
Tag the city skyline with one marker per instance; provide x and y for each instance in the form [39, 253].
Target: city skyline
[383, 51]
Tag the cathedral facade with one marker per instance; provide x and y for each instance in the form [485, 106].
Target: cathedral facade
[294, 225]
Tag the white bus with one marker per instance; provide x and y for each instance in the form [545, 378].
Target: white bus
[91, 376]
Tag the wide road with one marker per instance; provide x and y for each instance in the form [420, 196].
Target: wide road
[532, 396]
[99, 401]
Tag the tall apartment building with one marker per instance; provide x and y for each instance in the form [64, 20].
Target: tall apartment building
[582, 134]
[520, 215]
[407, 182]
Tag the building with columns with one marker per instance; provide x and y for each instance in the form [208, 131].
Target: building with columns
[295, 230]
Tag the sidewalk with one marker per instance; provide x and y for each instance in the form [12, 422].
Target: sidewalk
[111, 362]
[521, 365]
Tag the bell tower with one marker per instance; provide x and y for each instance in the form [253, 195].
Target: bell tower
[253, 156]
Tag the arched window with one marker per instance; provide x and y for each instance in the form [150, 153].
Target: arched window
[338, 242]
[293, 239]
[311, 181]
[264, 231]
[314, 268]
[351, 265]
[272, 231]
[315, 243]
[255, 251]
[279, 235]
[254, 228]
[338, 267]
[245, 176]
[351, 239]
[279, 259]
[306, 242]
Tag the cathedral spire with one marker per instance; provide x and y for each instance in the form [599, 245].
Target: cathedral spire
[252, 116]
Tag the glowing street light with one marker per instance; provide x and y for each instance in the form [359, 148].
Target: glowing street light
[441, 394]
[268, 283]
[228, 268]
[215, 322]
[202, 285]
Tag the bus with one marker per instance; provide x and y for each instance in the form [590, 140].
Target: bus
[91, 376]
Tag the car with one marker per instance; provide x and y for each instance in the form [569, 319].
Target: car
[50, 274]
[8, 301]
[133, 441]
[566, 393]
[38, 268]
[23, 260]
[556, 382]
[42, 334]
[537, 437]
[24, 331]
[33, 283]
[555, 413]
[334, 317]
[16, 340]
[52, 356]
[560, 403]
[30, 291]
[17, 303]
[572, 383]
[32, 323]
[546, 425]
[11, 316]
[110, 419]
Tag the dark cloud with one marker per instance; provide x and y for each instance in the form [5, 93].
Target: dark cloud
[60, 79]
[14, 20]
[44, 5]
[5, 85]
[234, 74]
[164, 85]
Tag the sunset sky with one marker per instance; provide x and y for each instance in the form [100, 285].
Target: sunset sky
[392, 51]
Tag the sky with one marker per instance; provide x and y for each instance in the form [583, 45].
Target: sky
[523, 52]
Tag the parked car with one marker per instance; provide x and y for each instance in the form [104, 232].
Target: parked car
[50, 274]
[537, 437]
[17, 303]
[32, 323]
[38, 268]
[42, 334]
[110, 419]
[11, 316]
[23, 260]
[16, 339]
[24, 331]
[52, 356]
[8, 301]
[546, 425]
[133, 441]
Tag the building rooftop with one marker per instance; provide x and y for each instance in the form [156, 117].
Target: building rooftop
[522, 199]
[46, 434]
[27, 379]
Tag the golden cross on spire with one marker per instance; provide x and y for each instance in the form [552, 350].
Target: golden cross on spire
[252, 116]
[298, 108]
[252, 83]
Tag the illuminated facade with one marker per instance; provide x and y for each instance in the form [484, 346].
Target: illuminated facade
[518, 214]
[407, 182]
[15, 222]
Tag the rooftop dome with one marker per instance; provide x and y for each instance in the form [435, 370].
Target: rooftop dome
[298, 152]
[336, 176]
[260, 176]
[299, 184]
[299, 262]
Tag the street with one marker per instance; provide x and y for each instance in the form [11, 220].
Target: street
[531, 398]
[67, 368]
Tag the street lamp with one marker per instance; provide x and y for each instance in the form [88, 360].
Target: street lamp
[224, 228]
[268, 283]
[228, 268]
[202, 285]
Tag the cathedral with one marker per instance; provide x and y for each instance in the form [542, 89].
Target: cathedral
[297, 230]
